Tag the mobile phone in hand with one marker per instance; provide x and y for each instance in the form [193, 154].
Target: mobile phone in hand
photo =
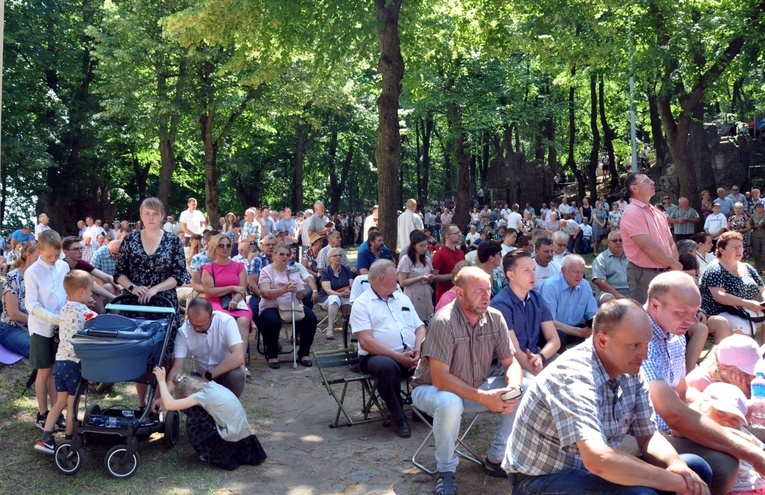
[516, 392]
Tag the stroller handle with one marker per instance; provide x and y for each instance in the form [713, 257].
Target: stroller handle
[164, 307]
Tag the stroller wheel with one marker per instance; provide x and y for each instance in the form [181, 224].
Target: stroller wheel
[68, 460]
[118, 464]
[172, 428]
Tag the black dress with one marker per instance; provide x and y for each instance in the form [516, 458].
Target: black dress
[167, 261]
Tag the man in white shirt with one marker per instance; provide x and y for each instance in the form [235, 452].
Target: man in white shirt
[42, 224]
[214, 342]
[407, 222]
[716, 223]
[515, 220]
[370, 221]
[544, 266]
[192, 220]
[564, 208]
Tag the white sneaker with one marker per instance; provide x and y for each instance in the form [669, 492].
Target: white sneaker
[330, 335]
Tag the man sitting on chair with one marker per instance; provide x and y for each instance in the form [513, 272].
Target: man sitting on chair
[213, 339]
[452, 376]
[390, 334]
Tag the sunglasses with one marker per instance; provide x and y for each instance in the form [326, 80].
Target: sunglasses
[223, 245]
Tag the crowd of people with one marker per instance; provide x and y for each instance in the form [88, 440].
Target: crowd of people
[475, 317]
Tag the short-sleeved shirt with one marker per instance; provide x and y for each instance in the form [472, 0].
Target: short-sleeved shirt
[613, 269]
[392, 322]
[288, 225]
[747, 287]
[71, 319]
[467, 349]
[276, 279]
[444, 261]
[322, 261]
[645, 219]
[523, 317]
[715, 223]
[208, 349]
[685, 228]
[104, 261]
[726, 205]
[226, 409]
[569, 305]
[198, 260]
[14, 283]
[336, 282]
[573, 400]
[365, 258]
[666, 361]
[22, 238]
[256, 264]
[250, 229]
[193, 220]
[316, 223]
[544, 272]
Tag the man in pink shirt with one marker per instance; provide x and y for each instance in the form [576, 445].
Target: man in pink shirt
[647, 239]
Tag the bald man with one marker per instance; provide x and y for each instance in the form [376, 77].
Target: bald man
[408, 221]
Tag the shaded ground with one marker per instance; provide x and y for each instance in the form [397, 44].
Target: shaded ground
[289, 410]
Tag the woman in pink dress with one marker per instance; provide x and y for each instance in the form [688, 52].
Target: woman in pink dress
[225, 282]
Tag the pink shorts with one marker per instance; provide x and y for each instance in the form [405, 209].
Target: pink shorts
[759, 491]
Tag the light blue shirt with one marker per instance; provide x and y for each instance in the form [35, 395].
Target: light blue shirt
[571, 306]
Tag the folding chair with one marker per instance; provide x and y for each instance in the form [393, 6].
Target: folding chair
[468, 455]
[348, 359]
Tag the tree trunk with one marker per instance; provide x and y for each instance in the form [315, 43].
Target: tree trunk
[427, 135]
[592, 166]
[168, 131]
[657, 132]
[388, 152]
[702, 158]
[607, 137]
[206, 121]
[461, 211]
[570, 160]
[297, 185]
[552, 151]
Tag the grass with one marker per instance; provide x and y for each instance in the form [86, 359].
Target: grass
[162, 470]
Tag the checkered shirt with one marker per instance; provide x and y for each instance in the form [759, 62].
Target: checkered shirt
[249, 229]
[257, 263]
[198, 260]
[104, 261]
[666, 361]
[572, 400]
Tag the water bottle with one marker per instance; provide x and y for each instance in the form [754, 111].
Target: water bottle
[96, 420]
[758, 396]
[111, 422]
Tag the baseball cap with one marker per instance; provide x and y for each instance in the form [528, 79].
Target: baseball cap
[739, 351]
[726, 398]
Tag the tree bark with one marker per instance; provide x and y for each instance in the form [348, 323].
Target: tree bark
[607, 137]
[592, 166]
[461, 211]
[168, 132]
[571, 161]
[388, 152]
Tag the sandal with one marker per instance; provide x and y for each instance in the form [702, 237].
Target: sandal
[493, 469]
[274, 365]
[445, 484]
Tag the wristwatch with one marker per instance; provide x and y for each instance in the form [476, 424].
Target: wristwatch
[208, 376]
[130, 289]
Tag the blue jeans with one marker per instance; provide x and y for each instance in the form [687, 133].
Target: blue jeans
[446, 409]
[584, 482]
[15, 339]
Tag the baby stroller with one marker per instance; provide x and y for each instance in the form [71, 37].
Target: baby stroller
[114, 348]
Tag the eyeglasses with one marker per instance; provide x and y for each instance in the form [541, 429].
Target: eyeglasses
[336, 256]
[113, 254]
[282, 254]
[75, 249]
[201, 328]
[268, 244]
[615, 240]
[735, 190]
[224, 246]
[647, 180]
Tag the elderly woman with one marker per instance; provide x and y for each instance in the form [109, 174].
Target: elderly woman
[278, 288]
[615, 216]
[225, 284]
[706, 204]
[151, 263]
[599, 225]
[415, 273]
[335, 289]
[553, 225]
[731, 288]
[737, 222]
[310, 259]
[14, 335]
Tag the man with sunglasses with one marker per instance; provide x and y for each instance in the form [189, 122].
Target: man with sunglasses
[609, 270]
[647, 239]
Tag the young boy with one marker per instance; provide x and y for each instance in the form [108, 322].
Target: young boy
[45, 297]
[66, 372]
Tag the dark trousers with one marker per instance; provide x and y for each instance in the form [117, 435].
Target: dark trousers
[565, 340]
[272, 325]
[387, 373]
